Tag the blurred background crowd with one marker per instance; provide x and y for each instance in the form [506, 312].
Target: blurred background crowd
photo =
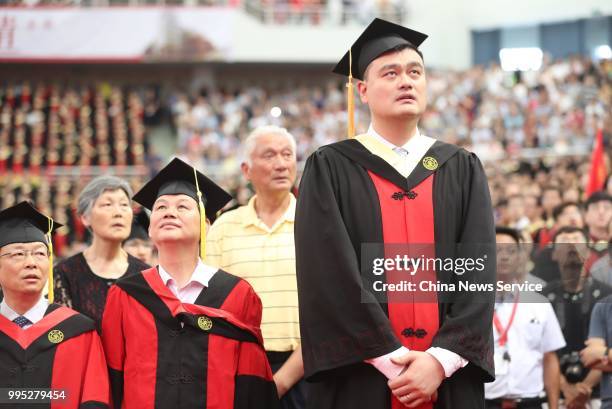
[533, 131]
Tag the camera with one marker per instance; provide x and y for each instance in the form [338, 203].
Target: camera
[572, 368]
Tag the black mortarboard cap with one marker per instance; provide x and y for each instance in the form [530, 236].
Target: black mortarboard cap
[378, 38]
[177, 178]
[22, 223]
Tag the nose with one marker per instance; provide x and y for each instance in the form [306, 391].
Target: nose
[405, 82]
[170, 213]
[29, 259]
[118, 210]
[281, 163]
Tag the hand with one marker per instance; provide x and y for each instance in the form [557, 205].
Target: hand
[281, 388]
[584, 391]
[578, 404]
[419, 382]
[576, 395]
[593, 355]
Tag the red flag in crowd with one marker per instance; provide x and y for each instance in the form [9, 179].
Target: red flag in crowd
[598, 172]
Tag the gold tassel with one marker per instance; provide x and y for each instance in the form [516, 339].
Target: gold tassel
[202, 218]
[50, 296]
[202, 227]
[350, 102]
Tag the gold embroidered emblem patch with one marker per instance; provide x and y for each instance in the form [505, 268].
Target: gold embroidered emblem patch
[430, 163]
[56, 336]
[205, 323]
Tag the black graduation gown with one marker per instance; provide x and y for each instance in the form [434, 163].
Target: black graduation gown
[338, 209]
[62, 351]
[164, 354]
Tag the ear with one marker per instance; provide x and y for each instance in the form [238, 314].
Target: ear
[244, 167]
[362, 88]
[85, 220]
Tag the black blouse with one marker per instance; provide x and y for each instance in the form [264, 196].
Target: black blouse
[78, 287]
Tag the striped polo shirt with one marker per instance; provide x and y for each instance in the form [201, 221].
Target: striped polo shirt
[242, 244]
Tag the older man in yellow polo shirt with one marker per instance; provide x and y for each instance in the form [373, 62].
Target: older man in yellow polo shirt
[256, 243]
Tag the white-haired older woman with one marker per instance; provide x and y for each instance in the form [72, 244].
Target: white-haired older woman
[82, 281]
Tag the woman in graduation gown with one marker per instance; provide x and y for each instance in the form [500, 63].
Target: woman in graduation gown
[185, 335]
[392, 185]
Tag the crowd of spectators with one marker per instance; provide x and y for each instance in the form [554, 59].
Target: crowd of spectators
[44, 126]
[279, 12]
[533, 131]
[52, 136]
[316, 12]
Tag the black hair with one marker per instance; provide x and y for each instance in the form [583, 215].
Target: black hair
[559, 209]
[600, 196]
[569, 230]
[502, 203]
[509, 231]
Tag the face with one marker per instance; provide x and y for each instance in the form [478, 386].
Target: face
[570, 252]
[175, 218]
[395, 85]
[571, 195]
[273, 165]
[532, 210]
[570, 216]
[110, 216]
[141, 249]
[512, 189]
[508, 257]
[550, 199]
[516, 208]
[24, 267]
[598, 214]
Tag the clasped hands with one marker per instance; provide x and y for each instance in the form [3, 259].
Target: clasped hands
[419, 381]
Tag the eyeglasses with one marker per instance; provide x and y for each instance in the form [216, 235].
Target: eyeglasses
[20, 255]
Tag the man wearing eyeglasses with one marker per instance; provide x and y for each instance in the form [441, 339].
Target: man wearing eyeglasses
[51, 352]
[28, 283]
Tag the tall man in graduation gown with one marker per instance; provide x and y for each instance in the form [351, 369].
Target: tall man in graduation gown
[392, 185]
[43, 345]
[184, 335]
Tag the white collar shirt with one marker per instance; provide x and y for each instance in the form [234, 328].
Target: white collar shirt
[409, 154]
[34, 314]
[534, 331]
[200, 278]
